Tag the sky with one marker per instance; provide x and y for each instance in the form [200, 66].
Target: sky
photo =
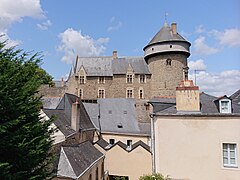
[61, 30]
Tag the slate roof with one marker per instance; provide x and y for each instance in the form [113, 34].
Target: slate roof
[96, 66]
[75, 160]
[236, 97]
[138, 64]
[117, 115]
[50, 102]
[105, 145]
[63, 115]
[164, 35]
[107, 66]
[208, 105]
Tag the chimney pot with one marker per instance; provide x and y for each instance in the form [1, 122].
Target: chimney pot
[174, 28]
[75, 116]
[115, 55]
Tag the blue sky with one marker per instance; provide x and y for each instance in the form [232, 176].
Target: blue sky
[63, 29]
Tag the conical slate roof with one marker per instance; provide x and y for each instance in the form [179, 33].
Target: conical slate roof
[166, 34]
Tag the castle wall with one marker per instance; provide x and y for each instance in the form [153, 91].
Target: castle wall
[165, 77]
[115, 87]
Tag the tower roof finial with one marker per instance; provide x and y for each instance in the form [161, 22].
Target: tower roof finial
[165, 23]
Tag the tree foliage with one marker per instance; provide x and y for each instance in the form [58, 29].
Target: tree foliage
[155, 176]
[25, 137]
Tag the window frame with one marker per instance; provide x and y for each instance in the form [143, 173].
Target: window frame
[141, 93]
[101, 80]
[228, 107]
[129, 78]
[82, 79]
[101, 93]
[128, 90]
[228, 150]
[80, 93]
[142, 78]
[112, 140]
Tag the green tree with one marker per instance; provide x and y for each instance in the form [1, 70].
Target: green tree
[155, 176]
[44, 77]
[25, 138]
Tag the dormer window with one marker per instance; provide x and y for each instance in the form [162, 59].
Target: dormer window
[225, 106]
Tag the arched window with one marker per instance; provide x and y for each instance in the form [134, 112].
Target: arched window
[168, 62]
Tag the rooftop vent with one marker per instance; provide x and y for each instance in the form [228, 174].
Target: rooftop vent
[120, 125]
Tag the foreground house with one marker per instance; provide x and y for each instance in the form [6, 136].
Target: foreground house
[82, 162]
[123, 140]
[196, 135]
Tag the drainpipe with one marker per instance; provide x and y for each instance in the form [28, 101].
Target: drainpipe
[152, 115]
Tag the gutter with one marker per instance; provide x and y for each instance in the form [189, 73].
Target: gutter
[152, 115]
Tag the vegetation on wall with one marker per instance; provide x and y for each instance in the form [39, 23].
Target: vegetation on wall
[155, 176]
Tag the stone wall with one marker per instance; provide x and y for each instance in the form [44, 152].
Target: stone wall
[165, 78]
[47, 91]
[115, 87]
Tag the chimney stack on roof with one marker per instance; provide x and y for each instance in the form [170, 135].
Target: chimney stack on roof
[115, 55]
[75, 116]
[174, 28]
[187, 97]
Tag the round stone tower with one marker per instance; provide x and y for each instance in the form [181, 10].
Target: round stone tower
[166, 55]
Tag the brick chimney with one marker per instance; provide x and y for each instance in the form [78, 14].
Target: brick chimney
[187, 97]
[174, 28]
[115, 55]
[75, 116]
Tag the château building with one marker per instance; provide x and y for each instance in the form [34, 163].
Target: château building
[157, 73]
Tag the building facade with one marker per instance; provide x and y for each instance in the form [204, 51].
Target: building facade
[196, 136]
[157, 73]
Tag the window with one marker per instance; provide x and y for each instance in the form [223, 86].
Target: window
[129, 78]
[129, 93]
[81, 79]
[111, 141]
[142, 78]
[129, 143]
[141, 94]
[225, 106]
[168, 62]
[80, 93]
[101, 93]
[229, 155]
[101, 80]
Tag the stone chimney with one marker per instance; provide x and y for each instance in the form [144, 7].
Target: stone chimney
[115, 55]
[174, 28]
[187, 97]
[75, 116]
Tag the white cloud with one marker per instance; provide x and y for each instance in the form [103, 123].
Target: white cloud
[197, 65]
[202, 48]
[114, 25]
[200, 29]
[74, 42]
[230, 37]
[218, 84]
[112, 19]
[14, 11]
[45, 25]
